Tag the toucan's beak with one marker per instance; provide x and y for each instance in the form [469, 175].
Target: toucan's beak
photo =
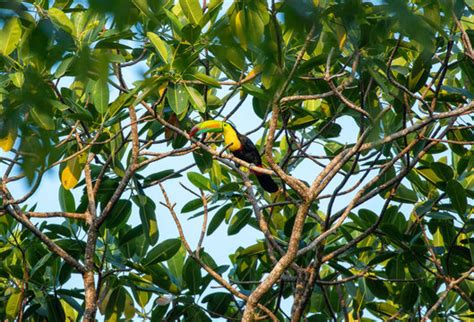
[193, 131]
[205, 127]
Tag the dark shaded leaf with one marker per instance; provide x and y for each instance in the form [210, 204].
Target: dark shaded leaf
[163, 251]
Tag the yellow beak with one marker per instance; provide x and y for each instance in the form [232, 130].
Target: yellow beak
[207, 126]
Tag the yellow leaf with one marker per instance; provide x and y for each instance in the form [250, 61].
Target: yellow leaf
[72, 172]
[69, 312]
[7, 142]
[252, 74]
[129, 310]
[341, 35]
[162, 88]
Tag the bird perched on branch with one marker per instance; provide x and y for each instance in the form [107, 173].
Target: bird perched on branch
[240, 146]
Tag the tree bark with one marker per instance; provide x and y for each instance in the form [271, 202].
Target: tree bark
[90, 297]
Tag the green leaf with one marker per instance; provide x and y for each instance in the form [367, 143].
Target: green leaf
[10, 36]
[377, 288]
[162, 252]
[384, 309]
[208, 80]
[175, 263]
[175, 22]
[196, 99]
[192, 205]
[332, 148]
[170, 173]
[66, 200]
[60, 19]
[238, 24]
[239, 220]
[212, 11]
[161, 47]
[119, 214]
[130, 235]
[255, 249]
[12, 305]
[442, 170]
[148, 217]
[381, 258]
[177, 98]
[192, 275]
[160, 276]
[409, 296]
[405, 195]
[129, 307]
[55, 311]
[217, 303]
[196, 313]
[115, 305]
[100, 96]
[41, 118]
[119, 103]
[368, 216]
[142, 297]
[143, 6]
[63, 67]
[203, 160]
[395, 268]
[216, 172]
[429, 174]
[199, 180]
[219, 217]
[457, 195]
[18, 79]
[192, 10]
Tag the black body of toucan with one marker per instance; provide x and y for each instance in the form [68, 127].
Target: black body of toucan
[240, 146]
[249, 153]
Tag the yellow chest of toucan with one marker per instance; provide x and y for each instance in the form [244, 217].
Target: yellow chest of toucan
[231, 139]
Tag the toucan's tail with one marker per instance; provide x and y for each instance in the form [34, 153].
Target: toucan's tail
[267, 182]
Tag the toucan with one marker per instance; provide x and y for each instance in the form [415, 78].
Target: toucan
[240, 146]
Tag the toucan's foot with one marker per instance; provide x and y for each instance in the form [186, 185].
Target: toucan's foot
[251, 166]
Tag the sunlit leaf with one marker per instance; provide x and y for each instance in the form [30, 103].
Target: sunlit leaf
[208, 80]
[72, 171]
[192, 10]
[10, 36]
[60, 19]
[161, 47]
[199, 180]
[12, 305]
[196, 99]
[177, 98]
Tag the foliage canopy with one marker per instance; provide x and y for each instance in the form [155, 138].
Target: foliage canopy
[365, 112]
